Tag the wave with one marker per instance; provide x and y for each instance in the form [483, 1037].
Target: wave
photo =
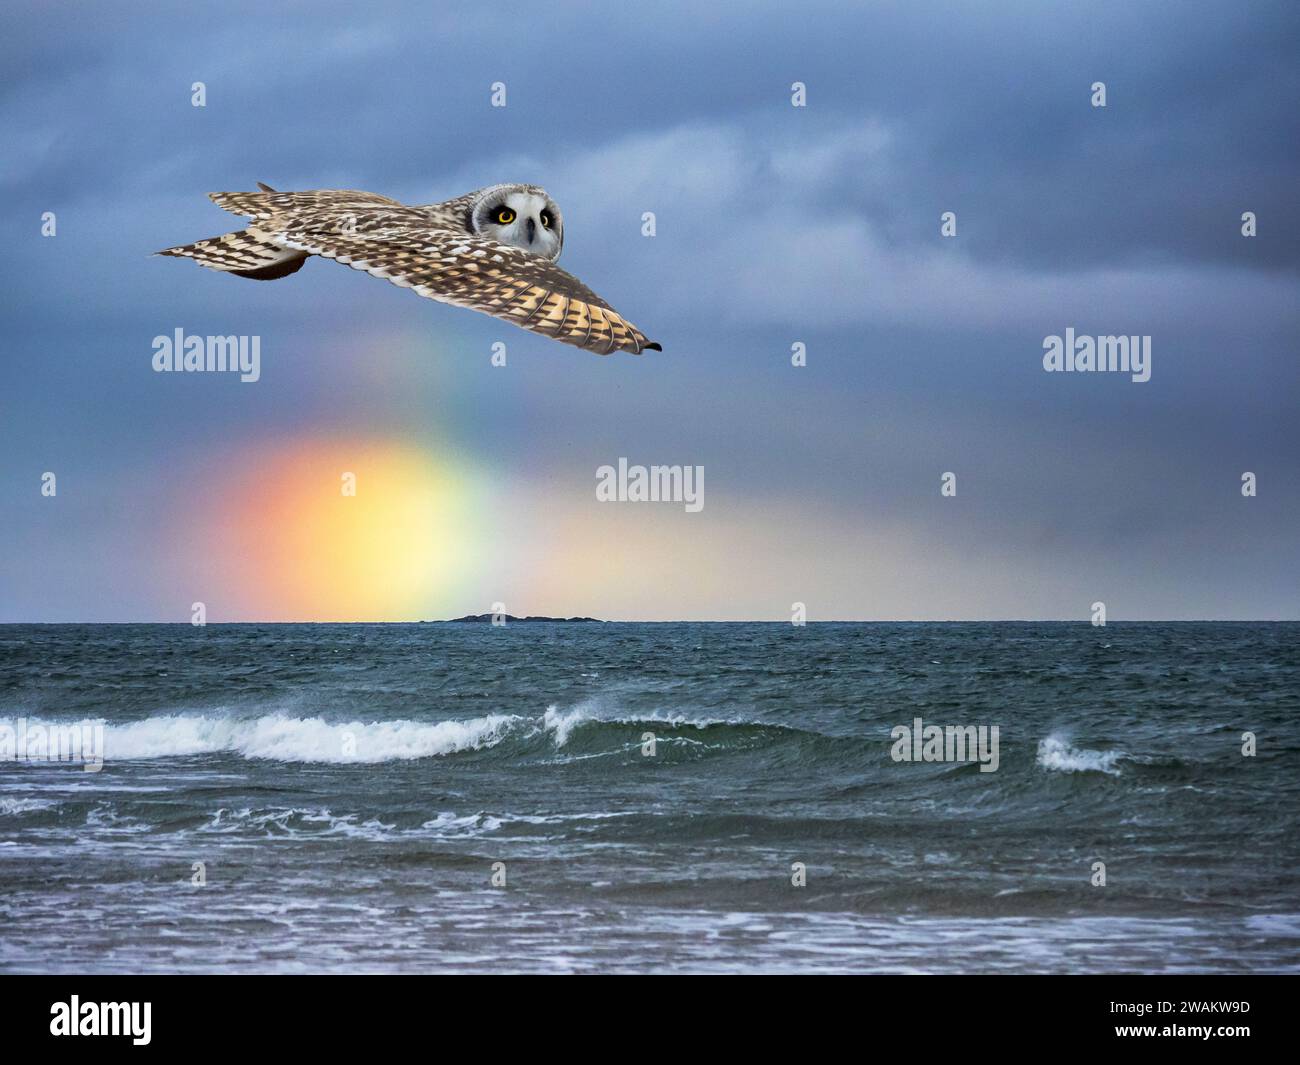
[1056, 754]
[293, 739]
[299, 821]
[280, 736]
[589, 715]
[10, 807]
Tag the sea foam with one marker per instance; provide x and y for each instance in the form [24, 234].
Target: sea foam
[1055, 753]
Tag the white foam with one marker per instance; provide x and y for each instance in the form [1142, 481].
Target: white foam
[10, 807]
[448, 824]
[296, 739]
[1055, 753]
[563, 724]
[288, 821]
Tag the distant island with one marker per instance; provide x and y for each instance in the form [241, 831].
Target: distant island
[510, 618]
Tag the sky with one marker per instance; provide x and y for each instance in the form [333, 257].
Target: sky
[774, 225]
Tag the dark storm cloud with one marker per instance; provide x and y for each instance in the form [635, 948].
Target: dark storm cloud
[991, 105]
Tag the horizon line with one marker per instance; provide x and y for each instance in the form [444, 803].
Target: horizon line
[520, 619]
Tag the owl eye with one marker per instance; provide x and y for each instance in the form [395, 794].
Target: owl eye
[546, 219]
[505, 216]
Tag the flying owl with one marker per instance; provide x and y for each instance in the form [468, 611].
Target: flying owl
[493, 251]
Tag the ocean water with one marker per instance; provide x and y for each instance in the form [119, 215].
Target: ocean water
[346, 792]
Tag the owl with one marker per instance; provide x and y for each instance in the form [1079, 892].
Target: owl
[493, 251]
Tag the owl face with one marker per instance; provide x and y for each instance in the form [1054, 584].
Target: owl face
[522, 216]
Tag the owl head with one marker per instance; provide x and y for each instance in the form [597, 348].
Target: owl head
[522, 216]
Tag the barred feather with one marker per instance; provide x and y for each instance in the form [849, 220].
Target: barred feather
[247, 253]
[482, 275]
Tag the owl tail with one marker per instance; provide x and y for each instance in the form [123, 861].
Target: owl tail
[246, 253]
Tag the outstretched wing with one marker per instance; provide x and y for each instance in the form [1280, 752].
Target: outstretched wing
[268, 202]
[465, 270]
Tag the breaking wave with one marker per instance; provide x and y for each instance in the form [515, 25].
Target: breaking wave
[294, 739]
[287, 738]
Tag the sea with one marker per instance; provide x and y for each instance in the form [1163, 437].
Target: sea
[651, 798]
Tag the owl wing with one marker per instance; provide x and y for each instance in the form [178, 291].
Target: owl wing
[399, 245]
[269, 202]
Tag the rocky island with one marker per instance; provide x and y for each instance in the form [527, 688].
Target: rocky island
[510, 618]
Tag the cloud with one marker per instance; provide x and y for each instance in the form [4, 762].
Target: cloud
[767, 232]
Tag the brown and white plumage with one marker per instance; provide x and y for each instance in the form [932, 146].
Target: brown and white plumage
[491, 251]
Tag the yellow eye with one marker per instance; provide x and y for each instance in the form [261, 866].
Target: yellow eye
[505, 216]
[546, 220]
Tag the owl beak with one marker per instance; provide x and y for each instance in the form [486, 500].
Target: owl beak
[532, 231]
